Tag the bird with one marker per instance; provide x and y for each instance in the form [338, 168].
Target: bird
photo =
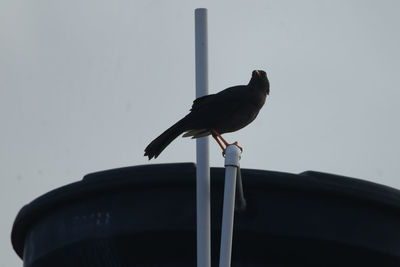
[215, 114]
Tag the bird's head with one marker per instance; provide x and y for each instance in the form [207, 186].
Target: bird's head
[259, 80]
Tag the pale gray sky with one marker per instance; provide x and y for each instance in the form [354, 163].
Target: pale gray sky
[86, 85]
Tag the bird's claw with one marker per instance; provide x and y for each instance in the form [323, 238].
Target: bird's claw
[235, 144]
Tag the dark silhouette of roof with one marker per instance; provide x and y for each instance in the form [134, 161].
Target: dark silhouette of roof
[145, 216]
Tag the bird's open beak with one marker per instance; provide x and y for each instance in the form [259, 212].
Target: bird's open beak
[258, 73]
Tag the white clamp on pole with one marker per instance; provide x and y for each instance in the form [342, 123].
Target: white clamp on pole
[232, 163]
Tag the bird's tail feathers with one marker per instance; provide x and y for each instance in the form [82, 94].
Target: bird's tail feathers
[161, 142]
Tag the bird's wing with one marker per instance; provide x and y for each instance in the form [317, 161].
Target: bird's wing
[200, 102]
[227, 97]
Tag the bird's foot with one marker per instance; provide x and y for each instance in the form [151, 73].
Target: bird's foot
[235, 144]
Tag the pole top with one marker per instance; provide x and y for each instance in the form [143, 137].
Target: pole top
[202, 9]
[232, 156]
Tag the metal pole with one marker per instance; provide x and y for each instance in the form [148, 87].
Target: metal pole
[232, 163]
[202, 151]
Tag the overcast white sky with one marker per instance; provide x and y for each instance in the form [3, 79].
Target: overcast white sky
[86, 85]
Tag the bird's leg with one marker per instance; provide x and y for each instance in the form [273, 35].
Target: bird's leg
[214, 134]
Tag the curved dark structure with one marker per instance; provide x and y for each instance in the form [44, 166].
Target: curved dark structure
[145, 216]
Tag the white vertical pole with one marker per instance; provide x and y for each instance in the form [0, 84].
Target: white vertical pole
[232, 161]
[202, 151]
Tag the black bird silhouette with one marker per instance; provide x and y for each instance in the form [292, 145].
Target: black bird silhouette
[215, 114]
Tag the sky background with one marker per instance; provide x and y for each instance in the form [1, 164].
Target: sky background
[86, 85]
